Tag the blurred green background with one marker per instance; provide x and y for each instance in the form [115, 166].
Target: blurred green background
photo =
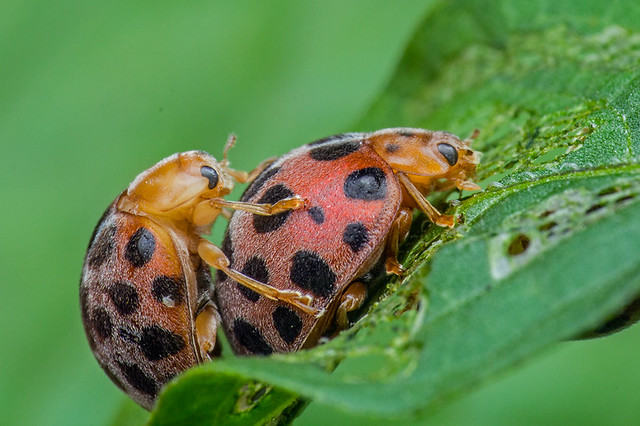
[91, 94]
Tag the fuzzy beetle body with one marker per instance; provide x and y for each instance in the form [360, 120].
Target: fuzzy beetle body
[360, 190]
[146, 290]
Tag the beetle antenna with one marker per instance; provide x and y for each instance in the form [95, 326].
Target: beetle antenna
[231, 140]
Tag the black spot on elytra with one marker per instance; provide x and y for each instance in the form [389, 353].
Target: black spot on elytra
[356, 236]
[317, 214]
[211, 174]
[250, 337]
[330, 152]
[311, 272]
[263, 224]
[366, 184]
[140, 248]
[125, 297]
[157, 343]
[102, 247]
[449, 153]
[255, 268]
[333, 138]
[138, 379]
[259, 182]
[288, 323]
[167, 290]
[227, 249]
[101, 322]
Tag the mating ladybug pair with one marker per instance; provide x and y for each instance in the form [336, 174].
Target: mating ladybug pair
[300, 253]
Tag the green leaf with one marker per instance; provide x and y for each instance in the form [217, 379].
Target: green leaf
[549, 249]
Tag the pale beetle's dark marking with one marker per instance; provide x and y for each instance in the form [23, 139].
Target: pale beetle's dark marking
[449, 153]
[317, 214]
[263, 224]
[331, 152]
[255, 268]
[157, 343]
[366, 184]
[140, 248]
[138, 379]
[250, 337]
[167, 290]
[287, 323]
[124, 297]
[101, 322]
[356, 236]
[311, 272]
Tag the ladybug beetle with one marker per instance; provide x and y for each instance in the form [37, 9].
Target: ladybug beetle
[146, 288]
[360, 190]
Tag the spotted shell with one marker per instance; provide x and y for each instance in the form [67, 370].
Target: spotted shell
[352, 198]
[140, 292]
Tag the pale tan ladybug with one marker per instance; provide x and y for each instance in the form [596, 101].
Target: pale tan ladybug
[360, 190]
[146, 289]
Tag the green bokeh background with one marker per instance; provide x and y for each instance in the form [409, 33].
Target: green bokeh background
[93, 93]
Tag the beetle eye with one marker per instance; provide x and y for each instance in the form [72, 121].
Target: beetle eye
[449, 153]
[211, 174]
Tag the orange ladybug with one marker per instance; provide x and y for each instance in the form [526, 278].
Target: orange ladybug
[360, 190]
[146, 288]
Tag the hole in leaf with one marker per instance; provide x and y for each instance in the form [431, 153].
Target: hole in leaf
[625, 199]
[547, 226]
[250, 395]
[607, 191]
[518, 245]
[594, 208]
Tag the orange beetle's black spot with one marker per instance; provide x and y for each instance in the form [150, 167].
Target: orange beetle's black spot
[250, 337]
[356, 236]
[449, 153]
[288, 323]
[330, 152]
[167, 290]
[255, 268]
[317, 214]
[124, 297]
[140, 248]
[366, 184]
[138, 379]
[263, 224]
[259, 182]
[311, 272]
[157, 343]
[101, 322]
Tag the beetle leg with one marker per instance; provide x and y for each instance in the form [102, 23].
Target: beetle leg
[207, 322]
[217, 259]
[423, 204]
[352, 299]
[206, 212]
[398, 232]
